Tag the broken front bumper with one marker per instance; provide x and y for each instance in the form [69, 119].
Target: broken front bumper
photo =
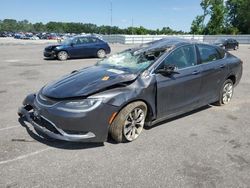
[91, 126]
[49, 54]
[56, 133]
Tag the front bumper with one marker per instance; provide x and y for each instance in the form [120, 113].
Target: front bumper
[89, 126]
[60, 135]
[49, 54]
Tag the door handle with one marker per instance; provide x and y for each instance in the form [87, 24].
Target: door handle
[222, 66]
[195, 72]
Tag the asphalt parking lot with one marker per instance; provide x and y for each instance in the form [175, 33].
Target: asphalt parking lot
[206, 148]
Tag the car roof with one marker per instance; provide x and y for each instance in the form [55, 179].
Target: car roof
[164, 44]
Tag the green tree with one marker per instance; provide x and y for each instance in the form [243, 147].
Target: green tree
[197, 26]
[9, 25]
[217, 13]
[238, 15]
[39, 27]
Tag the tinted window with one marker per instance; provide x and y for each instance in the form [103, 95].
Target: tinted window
[84, 40]
[208, 53]
[221, 52]
[182, 57]
[93, 40]
[234, 41]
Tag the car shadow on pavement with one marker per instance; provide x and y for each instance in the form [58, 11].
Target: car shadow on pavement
[57, 143]
[178, 117]
[70, 59]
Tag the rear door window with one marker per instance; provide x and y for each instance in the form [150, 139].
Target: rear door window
[92, 40]
[208, 53]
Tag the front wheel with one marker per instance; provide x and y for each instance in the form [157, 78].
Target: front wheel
[226, 93]
[128, 124]
[62, 55]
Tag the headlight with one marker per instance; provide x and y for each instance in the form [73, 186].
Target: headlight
[58, 48]
[83, 105]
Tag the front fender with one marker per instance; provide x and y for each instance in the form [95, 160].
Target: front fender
[29, 99]
[140, 90]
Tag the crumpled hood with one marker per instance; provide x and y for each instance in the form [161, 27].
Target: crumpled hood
[51, 47]
[86, 82]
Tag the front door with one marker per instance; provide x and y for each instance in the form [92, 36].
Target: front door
[178, 93]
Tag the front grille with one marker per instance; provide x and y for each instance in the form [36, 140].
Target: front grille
[75, 132]
[43, 100]
[46, 124]
[48, 49]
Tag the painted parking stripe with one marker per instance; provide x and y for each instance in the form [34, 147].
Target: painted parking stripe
[6, 128]
[24, 156]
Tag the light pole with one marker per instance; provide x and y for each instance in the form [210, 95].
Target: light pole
[132, 25]
[111, 16]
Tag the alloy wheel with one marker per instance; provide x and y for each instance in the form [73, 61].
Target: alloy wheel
[101, 53]
[62, 56]
[134, 124]
[227, 93]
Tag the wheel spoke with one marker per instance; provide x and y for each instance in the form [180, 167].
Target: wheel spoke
[136, 131]
[131, 117]
[141, 119]
[135, 113]
[127, 122]
[224, 94]
[133, 133]
[127, 130]
[224, 99]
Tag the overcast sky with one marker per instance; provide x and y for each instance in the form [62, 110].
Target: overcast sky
[152, 14]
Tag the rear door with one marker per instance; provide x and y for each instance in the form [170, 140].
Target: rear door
[80, 47]
[93, 46]
[213, 72]
[179, 93]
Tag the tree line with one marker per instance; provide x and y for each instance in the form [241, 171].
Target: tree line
[11, 25]
[223, 17]
[219, 17]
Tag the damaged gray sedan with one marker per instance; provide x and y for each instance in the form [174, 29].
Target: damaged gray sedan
[137, 87]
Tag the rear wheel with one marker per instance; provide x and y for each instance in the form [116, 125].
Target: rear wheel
[62, 55]
[128, 124]
[101, 53]
[226, 93]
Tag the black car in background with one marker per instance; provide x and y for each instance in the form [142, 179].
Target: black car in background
[2, 34]
[6, 34]
[77, 47]
[227, 43]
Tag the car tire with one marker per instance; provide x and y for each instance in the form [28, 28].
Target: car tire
[101, 53]
[226, 93]
[128, 124]
[62, 56]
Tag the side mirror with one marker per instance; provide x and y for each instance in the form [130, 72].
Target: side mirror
[168, 70]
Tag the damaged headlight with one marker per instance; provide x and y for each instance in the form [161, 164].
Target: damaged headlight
[83, 105]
